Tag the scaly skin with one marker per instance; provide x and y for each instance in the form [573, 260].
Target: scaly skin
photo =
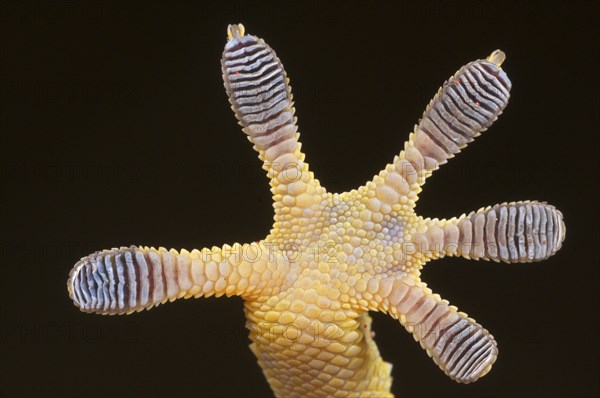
[331, 258]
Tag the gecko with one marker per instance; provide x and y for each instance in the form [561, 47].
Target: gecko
[331, 258]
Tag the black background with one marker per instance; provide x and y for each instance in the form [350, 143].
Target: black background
[116, 130]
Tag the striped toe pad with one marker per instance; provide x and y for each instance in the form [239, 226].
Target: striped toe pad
[260, 95]
[466, 105]
[124, 280]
